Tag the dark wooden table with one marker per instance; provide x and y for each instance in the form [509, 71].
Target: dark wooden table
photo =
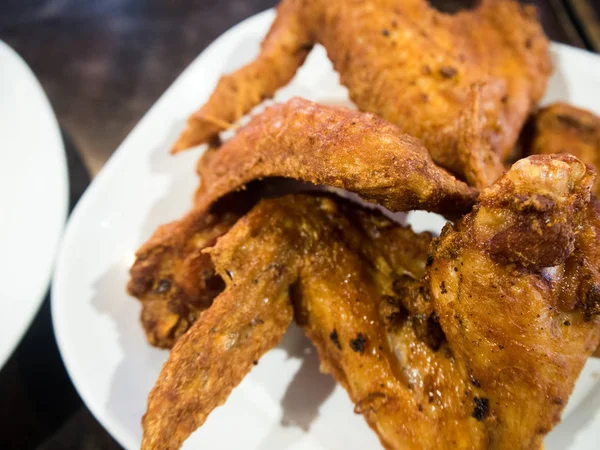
[103, 64]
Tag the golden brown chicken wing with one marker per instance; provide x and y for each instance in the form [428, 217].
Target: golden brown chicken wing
[562, 128]
[499, 283]
[174, 278]
[301, 140]
[434, 75]
[480, 352]
[336, 147]
[269, 260]
[492, 354]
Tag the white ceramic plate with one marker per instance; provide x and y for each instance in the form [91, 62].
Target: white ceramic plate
[33, 196]
[285, 403]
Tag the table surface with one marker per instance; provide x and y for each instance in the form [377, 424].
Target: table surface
[102, 65]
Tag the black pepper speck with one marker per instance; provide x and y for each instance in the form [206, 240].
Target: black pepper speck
[447, 71]
[335, 339]
[482, 406]
[358, 344]
[475, 382]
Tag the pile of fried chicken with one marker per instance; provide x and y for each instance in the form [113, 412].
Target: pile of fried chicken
[473, 339]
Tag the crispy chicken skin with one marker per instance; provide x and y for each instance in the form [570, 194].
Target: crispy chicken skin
[477, 345]
[337, 147]
[516, 287]
[562, 128]
[271, 258]
[301, 140]
[490, 357]
[430, 73]
[172, 276]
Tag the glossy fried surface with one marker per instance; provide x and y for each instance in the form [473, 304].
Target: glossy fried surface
[490, 357]
[476, 345]
[336, 147]
[562, 128]
[434, 75]
[206, 363]
[516, 287]
[285, 250]
[299, 140]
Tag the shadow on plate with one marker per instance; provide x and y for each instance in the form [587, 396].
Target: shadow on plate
[309, 388]
[306, 392]
[180, 170]
[134, 376]
[300, 404]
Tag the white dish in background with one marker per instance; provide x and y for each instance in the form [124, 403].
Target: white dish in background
[33, 197]
[284, 403]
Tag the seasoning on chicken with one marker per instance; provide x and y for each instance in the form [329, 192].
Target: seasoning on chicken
[477, 345]
[436, 76]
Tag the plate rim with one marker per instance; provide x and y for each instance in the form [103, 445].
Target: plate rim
[57, 147]
[121, 433]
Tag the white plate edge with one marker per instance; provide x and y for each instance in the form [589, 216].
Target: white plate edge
[63, 193]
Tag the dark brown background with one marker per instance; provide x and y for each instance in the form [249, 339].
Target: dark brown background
[103, 63]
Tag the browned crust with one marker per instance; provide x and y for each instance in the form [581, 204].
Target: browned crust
[172, 277]
[408, 63]
[283, 50]
[437, 353]
[212, 358]
[283, 246]
[333, 146]
[500, 281]
[300, 140]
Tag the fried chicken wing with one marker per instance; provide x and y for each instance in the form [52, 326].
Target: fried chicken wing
[499, 285]
[562, 128]
[300, 140]
[411, 64]
[245, 321]
[270, 259]
[491, 357]
[477, 345]
[336, 147]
